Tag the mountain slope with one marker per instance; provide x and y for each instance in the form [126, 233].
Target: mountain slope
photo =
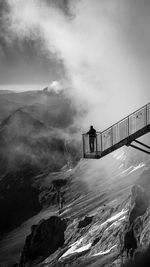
[20, 123]
[28, 148]
[53, 109]
[99, 232]
[97, 207]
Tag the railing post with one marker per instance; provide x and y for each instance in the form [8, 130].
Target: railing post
[112, 135]
[96, 144]
[83, 146]
[146, 115]
[128, 126]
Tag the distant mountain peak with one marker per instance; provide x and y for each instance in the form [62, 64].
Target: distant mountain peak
[55, 87]
[22, 120]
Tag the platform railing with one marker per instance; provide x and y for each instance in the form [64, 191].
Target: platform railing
[118, 131]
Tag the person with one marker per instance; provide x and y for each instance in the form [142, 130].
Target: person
[92, 136]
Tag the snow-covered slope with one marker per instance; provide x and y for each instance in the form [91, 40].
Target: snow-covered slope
[99, 202]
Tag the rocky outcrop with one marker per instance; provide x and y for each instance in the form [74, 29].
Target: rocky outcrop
[140, 202]
[130, 242]
[27, 149]
[45, 239]
[59, 183]
[136, 221]
[85, 222]
[54, 194]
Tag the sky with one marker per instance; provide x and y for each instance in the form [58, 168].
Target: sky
[22, 62]
[100, 49]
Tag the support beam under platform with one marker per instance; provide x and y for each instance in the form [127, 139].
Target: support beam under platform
[136, 147]
[140, 143]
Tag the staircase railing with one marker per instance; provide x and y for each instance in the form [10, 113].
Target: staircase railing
[128, 128]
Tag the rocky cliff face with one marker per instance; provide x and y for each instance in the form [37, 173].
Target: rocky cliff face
[25, 153]
[30, 146]
[107, 214]
[113, 232]
[104, 219]
[45, 239]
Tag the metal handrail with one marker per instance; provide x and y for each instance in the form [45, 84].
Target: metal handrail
[97, 132]
[125, 118]
[127, 123]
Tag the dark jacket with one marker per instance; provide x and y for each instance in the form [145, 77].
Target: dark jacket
[92, 132]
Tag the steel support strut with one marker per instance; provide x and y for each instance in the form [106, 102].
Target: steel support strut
[139, 148]
[140, 143]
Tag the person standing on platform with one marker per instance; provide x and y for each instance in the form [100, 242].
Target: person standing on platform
[92, 137]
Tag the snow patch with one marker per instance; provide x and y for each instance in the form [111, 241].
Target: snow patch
[128, 169]
[115, 217]
[133, 168]
[141, 165]
[117, 223]
[104, 252]
[74, 248]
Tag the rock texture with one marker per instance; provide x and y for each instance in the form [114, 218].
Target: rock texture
[108, 238]
[45, 239]
[132, 230]
[86, 221]
[119, 221]
[54, 194]
[140, 202]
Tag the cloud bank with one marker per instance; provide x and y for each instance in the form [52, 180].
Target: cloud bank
[96, 41]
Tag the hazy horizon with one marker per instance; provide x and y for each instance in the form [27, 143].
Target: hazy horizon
[22, 88]
[99, 50]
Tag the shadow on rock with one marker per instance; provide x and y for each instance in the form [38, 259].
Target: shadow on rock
[130, 242]
[141, 202]
[86, 221]
[45, 239]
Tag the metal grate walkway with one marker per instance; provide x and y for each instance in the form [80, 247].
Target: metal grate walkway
[121, 133]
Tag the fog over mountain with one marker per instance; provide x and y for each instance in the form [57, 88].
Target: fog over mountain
[66, 65]
[100, 51]
[37, 135]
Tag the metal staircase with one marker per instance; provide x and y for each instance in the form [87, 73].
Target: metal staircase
[124, 132]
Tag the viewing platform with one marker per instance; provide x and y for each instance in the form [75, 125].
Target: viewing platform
[121, 133]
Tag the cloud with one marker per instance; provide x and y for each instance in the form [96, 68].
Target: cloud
[55, 86]
[103, 72]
